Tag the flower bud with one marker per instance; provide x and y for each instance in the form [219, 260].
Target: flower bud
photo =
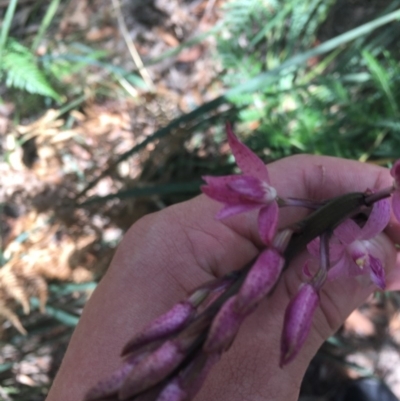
[169, 323]
[260, 280]
[223, 328]
[297, 322]
[108, 387]
[172, 392]
[152, 369]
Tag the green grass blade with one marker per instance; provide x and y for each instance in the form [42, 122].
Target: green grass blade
[64, 317]
[161, 133]
[66, 289]
[381, 77]
[251, 86]
[46, 21]
[5, 28]
[160, 189]
[289, 65]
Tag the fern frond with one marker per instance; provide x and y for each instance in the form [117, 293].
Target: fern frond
[22, 71]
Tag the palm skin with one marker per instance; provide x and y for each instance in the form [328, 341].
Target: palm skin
[167, 254]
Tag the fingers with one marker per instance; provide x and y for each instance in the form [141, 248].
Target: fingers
[250, 370]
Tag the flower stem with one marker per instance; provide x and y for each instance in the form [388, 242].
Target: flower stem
[377, 196]
[297, 202]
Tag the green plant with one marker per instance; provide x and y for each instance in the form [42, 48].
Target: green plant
[21, 71]
[343, 102]
[18, 65]
[276, 98]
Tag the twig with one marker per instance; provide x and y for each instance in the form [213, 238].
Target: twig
[131, 46]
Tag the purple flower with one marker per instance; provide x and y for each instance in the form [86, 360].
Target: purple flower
[360, 255]
[395, 172]
[242, 193]
[297, 322]
[351, 251]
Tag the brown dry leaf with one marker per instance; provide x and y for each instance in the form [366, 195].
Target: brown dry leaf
[18, 285]
[96, 34]
[46, 126]
[191, 55]
[168, 38]
[8, 314]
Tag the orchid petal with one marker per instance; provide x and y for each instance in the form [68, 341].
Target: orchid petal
[219, 182]
[341, 268]
[248, 162]
[297, 322]
[218, 190]
[396, 204]
[377, 273]
[377, 220]
[232, 210]
[336, 249]
[252, 188]
[268, 222]
[348, 231]
[306, 271]
[313, 247]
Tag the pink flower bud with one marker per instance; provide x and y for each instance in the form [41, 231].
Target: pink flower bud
[171, 322]
[152, 369]
[297, 322]
[108, 387]
[260, 280]
[224, 328]
[172, 392]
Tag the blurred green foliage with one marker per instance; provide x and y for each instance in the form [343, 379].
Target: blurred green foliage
[345, 103]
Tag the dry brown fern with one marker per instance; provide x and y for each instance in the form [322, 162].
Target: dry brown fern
[17, 285]
[31, 263]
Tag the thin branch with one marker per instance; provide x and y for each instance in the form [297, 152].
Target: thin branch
[131, 46]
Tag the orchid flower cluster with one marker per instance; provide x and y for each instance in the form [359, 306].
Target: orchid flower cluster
[171, 357]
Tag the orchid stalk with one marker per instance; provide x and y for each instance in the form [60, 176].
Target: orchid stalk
[171, 357]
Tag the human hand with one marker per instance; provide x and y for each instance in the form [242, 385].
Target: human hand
[167, 254]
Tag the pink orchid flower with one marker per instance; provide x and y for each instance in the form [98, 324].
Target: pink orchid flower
[356, 253]
[395, 172]
[249, 191]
